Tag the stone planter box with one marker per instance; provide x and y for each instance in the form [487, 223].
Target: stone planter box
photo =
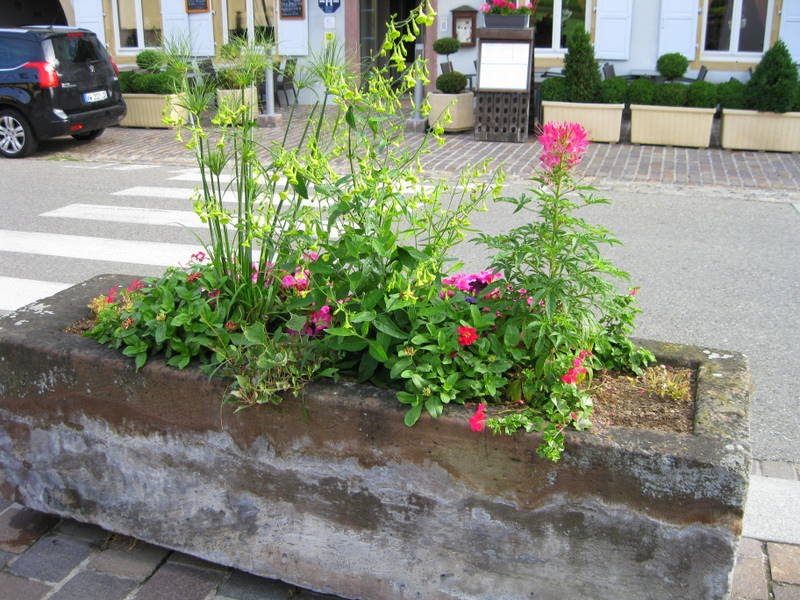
[234, 98]
[671, 125]
[461, 110]
[148, 110]
[335, 494]
[602, 122]
[752, 130]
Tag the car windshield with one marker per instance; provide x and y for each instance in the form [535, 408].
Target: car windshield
[77, 48]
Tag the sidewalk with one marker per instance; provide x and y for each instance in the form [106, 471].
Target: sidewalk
[43, 558]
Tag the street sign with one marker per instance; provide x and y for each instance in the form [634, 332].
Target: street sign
[329, 6]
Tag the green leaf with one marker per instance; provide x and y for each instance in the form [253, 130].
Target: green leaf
[350, 117]
[367, 366]
[296, 322]
[340, 331]
[364, 315]
[255, 333]
[400, 366]
[377, 351]
[413, 414]
[141, 359]
[301, 187]
[384, 324]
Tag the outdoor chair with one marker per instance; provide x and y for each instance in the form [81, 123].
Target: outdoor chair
[701, 75]
[609, 72]
[446, 67]
[283, 80]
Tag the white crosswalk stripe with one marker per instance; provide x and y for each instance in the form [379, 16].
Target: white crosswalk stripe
[95, 248]
[127, 214]
[19, 292]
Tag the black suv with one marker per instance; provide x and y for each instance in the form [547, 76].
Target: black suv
[54, 81]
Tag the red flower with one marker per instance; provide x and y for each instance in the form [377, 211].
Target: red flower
[467, 336]
[476, 421]
[136, 284]
[193, 277]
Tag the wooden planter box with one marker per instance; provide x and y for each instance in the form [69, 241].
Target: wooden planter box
[461, 110]
[149, 110]
[335, 494]
[234, 98]
[752, 130]
[671, 125]
[602, 122]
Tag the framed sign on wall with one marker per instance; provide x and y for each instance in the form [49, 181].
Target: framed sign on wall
[197, 6]
[504, 66]
[292, 9]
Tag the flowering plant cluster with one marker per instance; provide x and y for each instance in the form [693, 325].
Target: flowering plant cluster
[508, 7]
[318, 273]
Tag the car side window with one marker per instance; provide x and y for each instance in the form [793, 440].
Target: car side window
[16, 52]
[76, 49]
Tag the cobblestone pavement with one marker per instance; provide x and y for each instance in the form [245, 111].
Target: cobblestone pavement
[43, 557]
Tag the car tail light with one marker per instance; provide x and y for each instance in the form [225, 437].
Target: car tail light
[48, 77]
[115, 67]
[76, 127]
[75, 34]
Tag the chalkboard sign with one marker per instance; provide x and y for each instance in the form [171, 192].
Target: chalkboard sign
[193, 6]
[292, 9]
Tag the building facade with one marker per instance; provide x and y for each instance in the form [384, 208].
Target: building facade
[727, 36]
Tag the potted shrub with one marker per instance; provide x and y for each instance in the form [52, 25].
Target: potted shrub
[770, 122]
[583, 93]
[348, 276]
[451, 96]
[507, 14]
[153, 93]
[237, 83]
[669, 113]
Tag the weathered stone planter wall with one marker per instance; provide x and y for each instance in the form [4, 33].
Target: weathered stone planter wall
[350, 501]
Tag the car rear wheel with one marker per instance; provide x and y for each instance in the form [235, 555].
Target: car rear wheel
[89, 135]
[16, 136]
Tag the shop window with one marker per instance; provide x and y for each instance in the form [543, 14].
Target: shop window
[138, 23]
[556, 20]
[736, 26]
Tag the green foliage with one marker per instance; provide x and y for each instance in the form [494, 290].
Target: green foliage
[796, 106]
[774, 81]
[580, 69]
[333, 259]
[164, 82]
[670, 94]
[731, 94]
[451, 83]
[701, 94]
[642, 91]
[150, 60]
[614, 90]
[554, 89]
[446, 46]
[672, 65]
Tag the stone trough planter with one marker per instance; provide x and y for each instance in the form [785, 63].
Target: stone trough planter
[335, 494]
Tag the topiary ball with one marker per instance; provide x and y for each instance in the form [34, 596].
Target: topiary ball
[150, 60]
[672, 65]
[451, 83]
[446, 45]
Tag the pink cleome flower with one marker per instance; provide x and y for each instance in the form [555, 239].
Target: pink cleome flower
[572, 375]
[135, 285]
[318, 320]
[470, 283]
[563, 144]
[477, 420]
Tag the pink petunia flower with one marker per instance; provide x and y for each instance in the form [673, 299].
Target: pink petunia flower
[477, 421]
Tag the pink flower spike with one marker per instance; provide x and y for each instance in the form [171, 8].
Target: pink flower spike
[477, 420]
[135, 285]
[563, 144]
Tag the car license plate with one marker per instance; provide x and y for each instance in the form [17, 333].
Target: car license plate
[95, 96]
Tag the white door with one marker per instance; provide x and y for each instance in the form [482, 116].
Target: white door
[175, 21]
[201, 27]
[790, 27]
[678, 27]
[612, 38]
[89, 14]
